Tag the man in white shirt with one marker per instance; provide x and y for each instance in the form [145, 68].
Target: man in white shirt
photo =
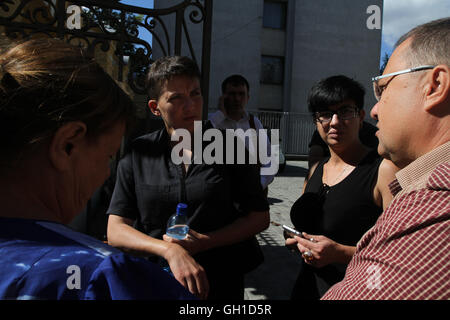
[232, 114]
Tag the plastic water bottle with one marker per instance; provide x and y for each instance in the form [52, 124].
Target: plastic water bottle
[177, 226]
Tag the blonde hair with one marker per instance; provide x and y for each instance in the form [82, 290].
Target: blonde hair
[45, 83]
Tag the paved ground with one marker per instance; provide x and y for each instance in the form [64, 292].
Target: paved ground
[274, 279]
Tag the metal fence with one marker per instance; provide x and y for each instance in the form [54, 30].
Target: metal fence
[296, 129]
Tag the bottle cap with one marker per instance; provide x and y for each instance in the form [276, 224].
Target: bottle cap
[181, 208]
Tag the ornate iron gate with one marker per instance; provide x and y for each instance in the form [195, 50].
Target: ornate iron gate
[112, 28]
[107, 22]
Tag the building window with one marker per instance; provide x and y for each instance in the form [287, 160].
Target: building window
[272, 70]
[274, 15]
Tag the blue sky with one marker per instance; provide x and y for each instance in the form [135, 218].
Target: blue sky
[400, 16]
[139, 3]
[143, 33]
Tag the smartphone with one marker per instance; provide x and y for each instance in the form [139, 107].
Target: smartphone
[291, 231]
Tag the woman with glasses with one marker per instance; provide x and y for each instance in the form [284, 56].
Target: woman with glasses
[344, 193]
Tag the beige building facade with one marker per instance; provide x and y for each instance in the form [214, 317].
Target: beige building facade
[284, 46]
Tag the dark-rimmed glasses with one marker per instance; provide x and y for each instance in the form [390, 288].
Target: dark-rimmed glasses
[378, 90]
[343, 113]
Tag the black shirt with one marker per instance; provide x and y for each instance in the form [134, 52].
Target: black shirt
[149, 186]
[343, 213]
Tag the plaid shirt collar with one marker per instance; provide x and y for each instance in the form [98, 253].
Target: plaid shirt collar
[417, 173]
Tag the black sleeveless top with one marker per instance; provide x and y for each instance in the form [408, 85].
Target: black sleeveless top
[343, 213]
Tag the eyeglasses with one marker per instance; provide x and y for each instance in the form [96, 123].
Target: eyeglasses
[344, 113]
[378, 90]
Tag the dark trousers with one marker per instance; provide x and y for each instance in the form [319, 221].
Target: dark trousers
[226, 286]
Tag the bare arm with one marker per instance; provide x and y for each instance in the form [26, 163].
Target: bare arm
[123, 235]
[241, 229]
[386, 174]
[185, 269]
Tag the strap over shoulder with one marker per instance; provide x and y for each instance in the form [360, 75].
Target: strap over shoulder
[251, 121]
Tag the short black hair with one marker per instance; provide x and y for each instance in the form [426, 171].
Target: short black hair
[235, 80]
[334, 90]
[163, 69]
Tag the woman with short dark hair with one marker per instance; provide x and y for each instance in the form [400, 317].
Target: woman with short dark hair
[344, 193]
[226, 203]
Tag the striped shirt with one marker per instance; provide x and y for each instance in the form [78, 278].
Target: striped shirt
[406, 254]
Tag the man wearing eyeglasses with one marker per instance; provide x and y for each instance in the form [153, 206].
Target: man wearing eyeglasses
[406, 255]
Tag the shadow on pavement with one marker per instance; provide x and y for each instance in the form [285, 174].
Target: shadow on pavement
[275, 277]
[273, 200]
[293, 171]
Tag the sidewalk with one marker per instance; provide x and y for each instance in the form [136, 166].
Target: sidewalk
[275, 278]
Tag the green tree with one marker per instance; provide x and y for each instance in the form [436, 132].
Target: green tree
[110, 20]
[385, 61]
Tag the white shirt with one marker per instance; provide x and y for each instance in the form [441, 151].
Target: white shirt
[220, 121]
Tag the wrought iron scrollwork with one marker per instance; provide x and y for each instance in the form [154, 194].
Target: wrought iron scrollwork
[107, 25]
[197, 15]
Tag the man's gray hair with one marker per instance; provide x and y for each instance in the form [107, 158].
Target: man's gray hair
[430, 43]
